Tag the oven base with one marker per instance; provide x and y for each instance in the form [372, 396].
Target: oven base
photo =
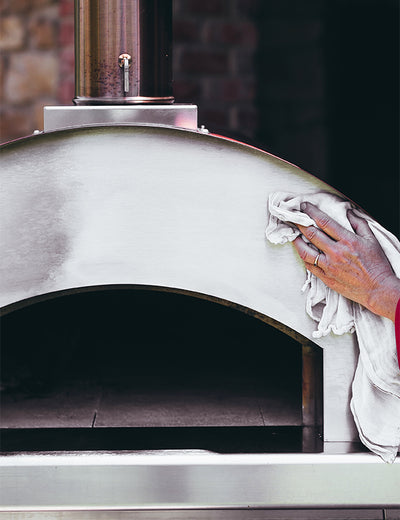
[198, 480]
[210, 514]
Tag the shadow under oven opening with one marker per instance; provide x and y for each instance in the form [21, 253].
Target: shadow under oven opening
[126, 368]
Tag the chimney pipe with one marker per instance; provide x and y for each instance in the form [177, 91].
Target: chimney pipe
[123, 52]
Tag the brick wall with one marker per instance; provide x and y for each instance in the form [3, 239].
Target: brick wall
[291, 82]
[214, 48]
[215, 43]
[303, 80]
[30, 63]
[253, 68]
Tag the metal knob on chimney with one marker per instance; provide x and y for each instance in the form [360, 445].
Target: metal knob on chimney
[123, 52]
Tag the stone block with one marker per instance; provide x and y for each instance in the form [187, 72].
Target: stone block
[31, 75]
[12, 33]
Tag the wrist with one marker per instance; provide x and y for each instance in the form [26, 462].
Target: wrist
[384, 299]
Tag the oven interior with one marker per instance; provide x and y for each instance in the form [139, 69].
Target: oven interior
[128, 369]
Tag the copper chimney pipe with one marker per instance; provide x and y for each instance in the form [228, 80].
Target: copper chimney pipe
[123, 52]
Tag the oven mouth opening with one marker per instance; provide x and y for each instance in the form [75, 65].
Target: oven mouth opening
[111, 369]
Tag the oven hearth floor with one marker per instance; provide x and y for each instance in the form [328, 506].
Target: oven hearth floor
[129, 403]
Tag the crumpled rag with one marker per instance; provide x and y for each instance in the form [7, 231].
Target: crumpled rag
[375, 402]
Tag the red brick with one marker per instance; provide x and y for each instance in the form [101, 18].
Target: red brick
[232, 90]
[4, 6]
[66, 7]
[186, 31]
[187, 91]
[19, 6]
[23, 6]
[203, 7]
[292, 8]
[232, 33]
[66, 36]
[67, 61]
[244, 62]
[248, 8]
[15, 123]
[37, 113]
[247, 120]
[41, 3]
[66, 91]
[204, 62]
[290, 33]
[3, 69]
[306, 65]
[214, 118]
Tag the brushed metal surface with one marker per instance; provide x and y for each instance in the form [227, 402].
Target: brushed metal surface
[178, 115]
[197, 480]
[207, 514]
[172, 209]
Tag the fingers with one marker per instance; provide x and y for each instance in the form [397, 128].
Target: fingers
[359, 225]
[317, 237]
[324, 222]
[307, 252]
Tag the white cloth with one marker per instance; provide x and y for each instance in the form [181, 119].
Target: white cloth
[375, 402]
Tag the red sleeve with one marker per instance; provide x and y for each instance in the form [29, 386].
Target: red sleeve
[397, 327]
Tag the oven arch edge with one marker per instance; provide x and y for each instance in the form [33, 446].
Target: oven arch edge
[207, 199]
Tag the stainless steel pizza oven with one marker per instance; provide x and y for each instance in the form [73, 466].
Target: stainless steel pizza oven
[156, 356]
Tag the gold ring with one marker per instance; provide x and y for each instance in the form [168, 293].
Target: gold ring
[316, 259]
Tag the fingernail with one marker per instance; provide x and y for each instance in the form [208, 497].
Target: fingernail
[303, 206]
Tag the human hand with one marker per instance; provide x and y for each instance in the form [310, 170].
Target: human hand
[353, 264]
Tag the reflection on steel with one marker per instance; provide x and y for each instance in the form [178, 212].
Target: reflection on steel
[178, 115]
[104, 31]
[182, 210]
[199, 480]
